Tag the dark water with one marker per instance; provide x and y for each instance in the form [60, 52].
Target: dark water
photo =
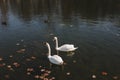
[91, 25]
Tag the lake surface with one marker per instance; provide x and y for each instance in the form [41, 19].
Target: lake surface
[91, 25]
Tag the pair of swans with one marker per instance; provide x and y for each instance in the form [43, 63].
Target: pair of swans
[56, 59]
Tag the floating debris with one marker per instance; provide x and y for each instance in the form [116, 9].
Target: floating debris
[30, 69]
[16, 64]
[74, 61]
[10, 56]
[47, 71]
[33, 57]
[1, 58]
[21, 51]
[45, 74]
[53, 78]
[37, 76]
[28, 73]
[115, 77]
[41, 77]
[9, 66]
[68, 73]
[42, 70]
[45, 78]
[93, 76]
[40, 66]
[104, 73]
[2, 65]
[28, 59]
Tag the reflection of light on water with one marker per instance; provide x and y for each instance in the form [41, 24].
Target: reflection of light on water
[62, 24]
[70, 53]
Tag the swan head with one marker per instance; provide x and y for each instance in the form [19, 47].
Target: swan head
[49, 50]
[46, 43]
[55, 38]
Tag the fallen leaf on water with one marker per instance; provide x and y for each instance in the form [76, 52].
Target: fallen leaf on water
[21, 51]
[33, 57]
[45, 74]
[68, 73]
[115, 77]
[30, 69]
[16, 64]
[41, 77]
[9, 66]
[40, 66]
[10, 56]
[93, 76]
[1, 58]
[53, 78]
[45, 79]
[28, 73]
[28, 59]
[104, 73]
[42, 70]
[36, 76]
[74, 61]
[1, 65]
[47, 71]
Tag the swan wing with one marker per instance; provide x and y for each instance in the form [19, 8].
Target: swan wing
[67, 47]
[55, 59]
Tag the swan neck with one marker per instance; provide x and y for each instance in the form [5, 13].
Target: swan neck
[49, 50]
[56, 43]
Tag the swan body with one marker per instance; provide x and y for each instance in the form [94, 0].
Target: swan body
[55, 59]
[65, 47]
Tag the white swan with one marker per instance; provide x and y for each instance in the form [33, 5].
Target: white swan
[65, 47]
[55, 59]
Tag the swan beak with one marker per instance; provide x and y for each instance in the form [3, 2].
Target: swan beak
[45, 43]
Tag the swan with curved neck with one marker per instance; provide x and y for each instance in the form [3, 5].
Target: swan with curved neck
[65, 47]
[55, 59]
